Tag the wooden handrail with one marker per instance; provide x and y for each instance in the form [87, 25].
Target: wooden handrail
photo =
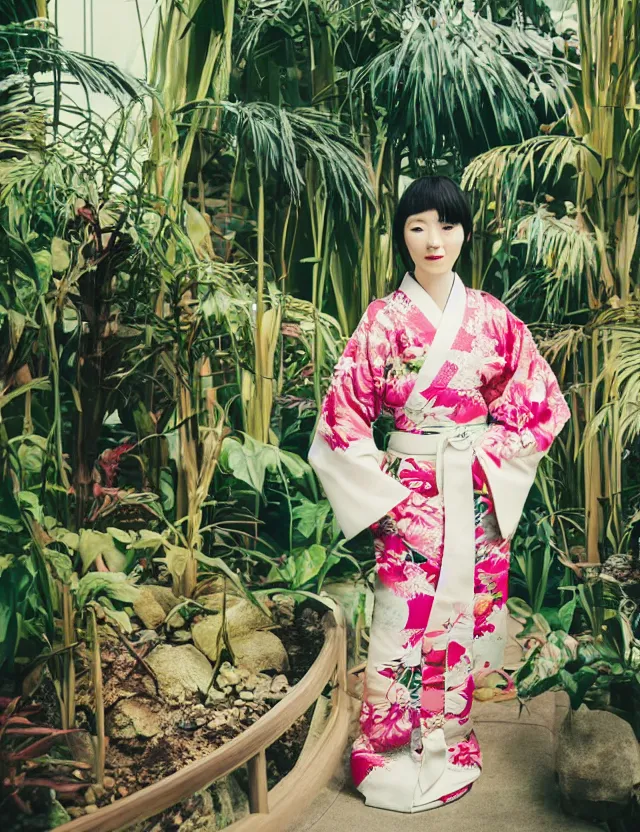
[294, 792]
[248, 746]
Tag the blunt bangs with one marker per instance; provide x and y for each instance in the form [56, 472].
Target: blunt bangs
[431, 193]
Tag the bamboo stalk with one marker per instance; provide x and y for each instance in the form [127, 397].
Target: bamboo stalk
[96, 675]
[69, 672]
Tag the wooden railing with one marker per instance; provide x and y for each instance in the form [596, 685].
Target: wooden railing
[270, 810]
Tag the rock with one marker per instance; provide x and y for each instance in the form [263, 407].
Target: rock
[215, 697]
[89, 810]
[228, 675]
[131, 718]
[148, 610]
[181, 671]
[597, 761]
[247, 695]
[109, 783]
[164, 596]
[232, 799]
[145, 636]
[81, 746]
[260, 651]
[243, 618]
[220, 584]
[90, 796]
[215, 601]
[180, 636]
[285, 609]
[250, 683]
[279, 683]
[205, 634]
[263, 685]
[174, 621]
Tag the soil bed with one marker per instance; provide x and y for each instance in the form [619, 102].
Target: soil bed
[150, 736]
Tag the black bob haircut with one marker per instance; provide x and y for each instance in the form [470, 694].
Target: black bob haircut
[429, 193]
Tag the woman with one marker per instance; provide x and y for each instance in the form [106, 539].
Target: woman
[476, 407]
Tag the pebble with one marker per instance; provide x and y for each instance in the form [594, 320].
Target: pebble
[238, 702]
[89, 810]
[215, 696]
[251, 683]
[247, 695]
[279, 683]
[90, 795]
[123, 791]
[180, 636]
[200, 721]
[109, 783]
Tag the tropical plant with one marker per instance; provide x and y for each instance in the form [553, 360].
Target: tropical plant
[561, 209]
[586, 648]
[25, 764]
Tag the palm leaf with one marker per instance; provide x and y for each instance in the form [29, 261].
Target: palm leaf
[563, 251]
[457, 77]
[279, 140]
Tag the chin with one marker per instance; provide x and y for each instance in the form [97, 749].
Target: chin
[437, 267]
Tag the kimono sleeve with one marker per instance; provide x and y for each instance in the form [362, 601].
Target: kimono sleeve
[527, 411]
[343, 453]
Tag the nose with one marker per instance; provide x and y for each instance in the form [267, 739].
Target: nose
[433, 241]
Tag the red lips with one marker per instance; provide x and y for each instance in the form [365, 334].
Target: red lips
[436, 257]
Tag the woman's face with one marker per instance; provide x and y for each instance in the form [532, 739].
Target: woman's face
[434, 246]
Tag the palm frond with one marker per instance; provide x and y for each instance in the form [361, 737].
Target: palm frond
[538, 161]
[564, 252]
[22, 123]
[458, 77]
[260, 15]
[93, 74]
[279, 140]
[620, 412]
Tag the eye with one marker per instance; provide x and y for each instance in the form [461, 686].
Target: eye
[447, 227]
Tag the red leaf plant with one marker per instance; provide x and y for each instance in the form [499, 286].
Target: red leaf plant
[22, 746]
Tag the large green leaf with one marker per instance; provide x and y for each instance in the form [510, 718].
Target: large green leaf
[92, 544]
[114, 585]
[311, 517]
[300, 567]
[250, 460]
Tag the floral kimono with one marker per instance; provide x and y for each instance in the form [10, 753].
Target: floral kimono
[475, 407]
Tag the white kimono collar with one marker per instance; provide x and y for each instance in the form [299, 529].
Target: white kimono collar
[447, 324]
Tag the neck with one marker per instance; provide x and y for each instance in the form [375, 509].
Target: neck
[438, 286]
